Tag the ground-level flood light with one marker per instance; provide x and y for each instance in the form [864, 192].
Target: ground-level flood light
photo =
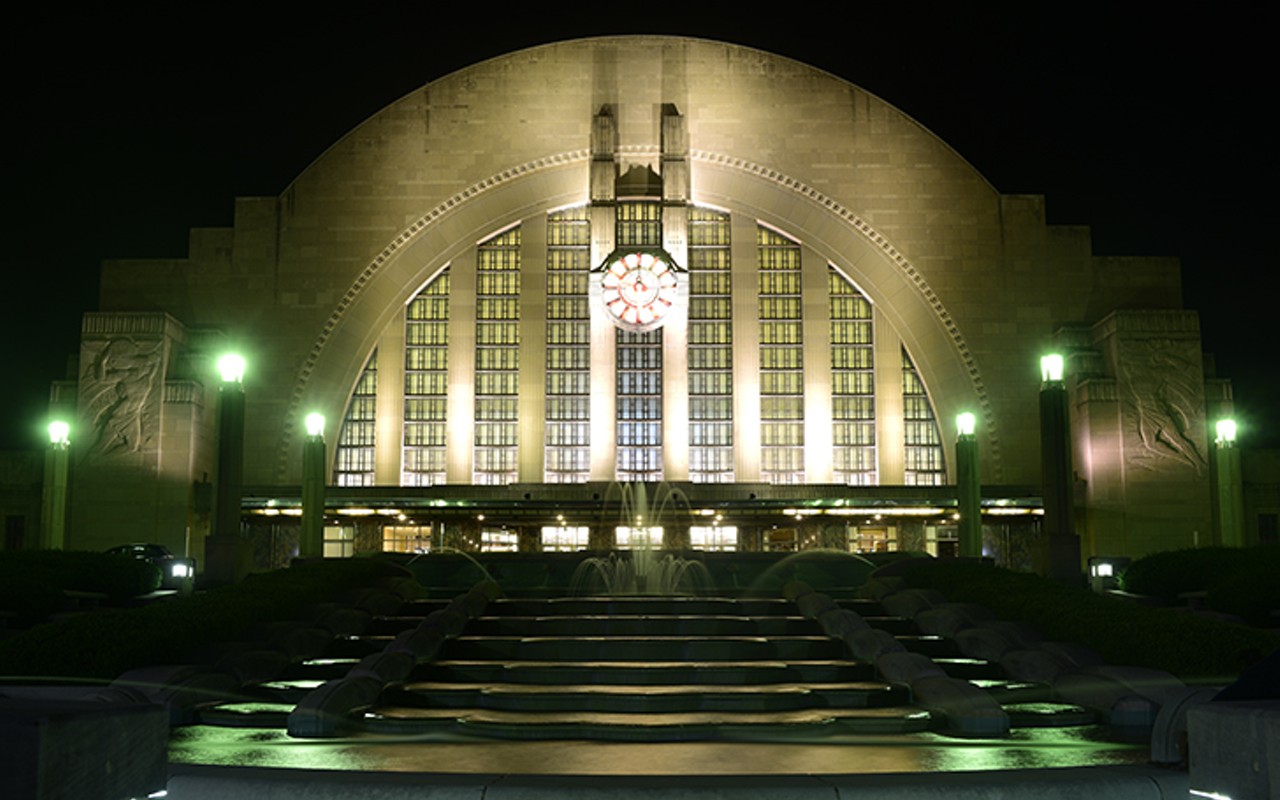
[1226, 430]
[315, 424]
[966, 423]
[59, 432]
[231, 368]
[1051, 368]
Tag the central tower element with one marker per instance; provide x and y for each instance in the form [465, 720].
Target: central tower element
[638, 287]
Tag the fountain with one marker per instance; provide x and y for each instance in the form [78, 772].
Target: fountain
[826, 569]
[643, 570]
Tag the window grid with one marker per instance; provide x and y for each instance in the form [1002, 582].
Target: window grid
[922, 445]
[781, 359]
[497, 377]
[567, 454]
[426, 385]
[353, 458]
[710, 348]
[853, 409]
[639, 363]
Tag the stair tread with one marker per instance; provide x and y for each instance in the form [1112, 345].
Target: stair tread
[648, 719]
[644, 689]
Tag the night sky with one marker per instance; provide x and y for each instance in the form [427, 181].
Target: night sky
[127, 128]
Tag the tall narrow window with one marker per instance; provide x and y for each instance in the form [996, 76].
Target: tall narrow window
[922, 448]
[853, 398]
[353, 462]
[426, 384]
[710, 348]
[781, 359]
[497, 432]
[568, 388]
[639, 363]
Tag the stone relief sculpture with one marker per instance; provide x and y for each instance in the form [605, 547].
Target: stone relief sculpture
[1165, 410]
[119, 384]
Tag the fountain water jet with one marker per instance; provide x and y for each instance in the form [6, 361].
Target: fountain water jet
[643, 570]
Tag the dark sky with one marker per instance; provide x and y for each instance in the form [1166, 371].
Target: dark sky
[130, 127]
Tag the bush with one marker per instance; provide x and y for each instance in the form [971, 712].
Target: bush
[1239, 581]
[32, 582]
[1123, 633]
[103, 645]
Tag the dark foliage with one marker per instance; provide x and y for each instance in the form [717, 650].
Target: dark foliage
[102, 645]
[1123, 633]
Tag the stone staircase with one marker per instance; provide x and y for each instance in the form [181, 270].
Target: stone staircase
[643, 669]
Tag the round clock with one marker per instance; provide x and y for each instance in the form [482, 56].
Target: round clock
[638, 288]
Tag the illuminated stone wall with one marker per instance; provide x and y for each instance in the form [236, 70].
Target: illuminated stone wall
[974, 283]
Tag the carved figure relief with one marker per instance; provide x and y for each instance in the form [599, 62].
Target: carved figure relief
[1164, 408]
[120, 381]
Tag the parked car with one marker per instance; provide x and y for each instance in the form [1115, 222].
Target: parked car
[175, 573]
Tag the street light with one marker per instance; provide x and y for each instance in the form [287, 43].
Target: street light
[59, 433]
[226, 554]
[1226, 430]
[1063, 545]
[53, 522]
[1228, 484]
[1051, 368]
[968, 486]
[231, 368]
[311, 540]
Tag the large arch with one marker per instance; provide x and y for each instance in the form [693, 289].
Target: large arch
[882, 270]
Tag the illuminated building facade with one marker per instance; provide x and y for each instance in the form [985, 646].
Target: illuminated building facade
[642, 259]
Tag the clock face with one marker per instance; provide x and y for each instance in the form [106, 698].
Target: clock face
[639, 289]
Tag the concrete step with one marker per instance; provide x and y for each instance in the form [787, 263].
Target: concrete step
[643, 648]
[624, 698]
[632, 606]
[700, 725]
[648, 672]
[643, 625]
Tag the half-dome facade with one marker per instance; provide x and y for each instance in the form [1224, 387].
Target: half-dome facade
[642, 259]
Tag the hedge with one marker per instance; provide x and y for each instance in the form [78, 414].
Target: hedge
[1123, 633]
[104, 644]
[1239, 581]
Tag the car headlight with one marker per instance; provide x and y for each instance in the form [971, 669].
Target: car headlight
[180, 570]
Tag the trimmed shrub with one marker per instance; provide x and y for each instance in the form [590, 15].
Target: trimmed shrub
[1239, 581]
[1123, 633]
[32, 582]
[103, 645]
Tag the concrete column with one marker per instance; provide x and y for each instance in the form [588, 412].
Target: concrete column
[460, 437]
[533, 348]
[969, 495]
[1063, 562]
[745, 285]
[815, 312]
[227, 556]
[311, 538]
[890, 435]
[53, 517]
[388, 441]
[1229, 492]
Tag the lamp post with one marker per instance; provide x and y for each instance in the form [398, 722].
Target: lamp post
[53, 520]
[968, 487]
[1228, 490]
[311, 541]
[1055, 473]
[226, 556]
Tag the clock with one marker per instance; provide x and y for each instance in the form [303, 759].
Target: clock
[638, 288]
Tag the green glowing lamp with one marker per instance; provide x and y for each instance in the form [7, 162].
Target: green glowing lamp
[315, 424]
[58, 433]
[1226, 430]
[231, 367]
[966, 423]
[1051, 368]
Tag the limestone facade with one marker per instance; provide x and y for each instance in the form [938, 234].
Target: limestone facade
[972, 285]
